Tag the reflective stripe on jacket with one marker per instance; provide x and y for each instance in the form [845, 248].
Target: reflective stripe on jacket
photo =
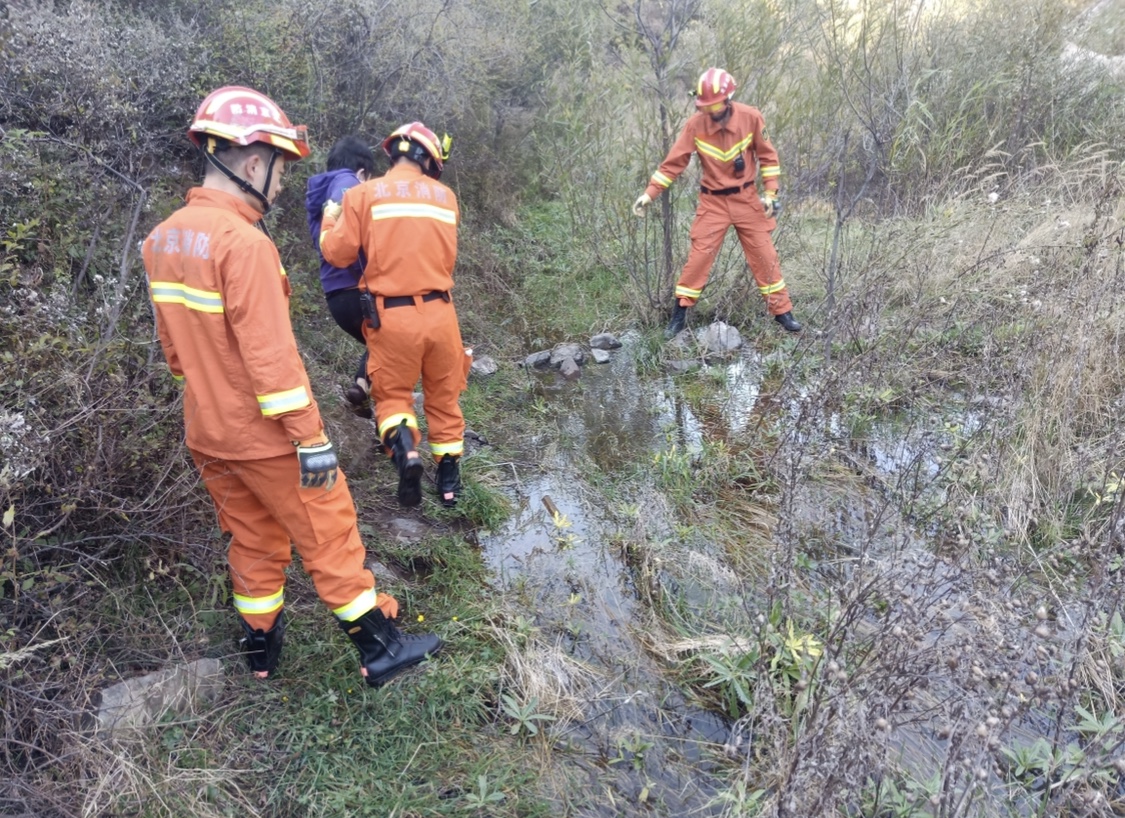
[718, 145]
[419, 212]
[222, 315]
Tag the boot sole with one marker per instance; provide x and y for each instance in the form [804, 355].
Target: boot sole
[410, 483]
[379, 681]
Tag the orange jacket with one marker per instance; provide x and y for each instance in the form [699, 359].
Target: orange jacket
[222, 312]
[717, 144]
[422, 216]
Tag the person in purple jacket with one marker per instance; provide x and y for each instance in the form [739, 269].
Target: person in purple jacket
[349, 162]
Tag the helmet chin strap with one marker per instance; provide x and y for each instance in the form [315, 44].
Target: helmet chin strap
[243, 185]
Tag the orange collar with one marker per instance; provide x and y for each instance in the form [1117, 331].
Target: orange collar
[209, 197]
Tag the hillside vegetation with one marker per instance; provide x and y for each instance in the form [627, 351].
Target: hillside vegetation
[953, 236]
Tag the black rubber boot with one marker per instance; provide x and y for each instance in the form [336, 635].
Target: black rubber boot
[399, 442]
[263, 648]
[384, 650]
[787, 320]
[678, 322]
[358, 395]
[449, 479]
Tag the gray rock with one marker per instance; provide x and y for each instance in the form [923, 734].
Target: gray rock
[570, 369]
[720, 338]
[471, 434]
[406, 530]
[600, 356]
[484, 366]
[681, 366]
[562, 352]
[538, 360]
[138, 702]
[605, 340]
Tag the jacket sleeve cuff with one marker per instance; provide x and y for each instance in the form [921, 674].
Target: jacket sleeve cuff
[304, 424]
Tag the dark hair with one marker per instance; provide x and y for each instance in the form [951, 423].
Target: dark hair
[352, 153]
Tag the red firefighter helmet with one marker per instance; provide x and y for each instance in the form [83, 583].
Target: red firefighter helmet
[414, 138]
[243, 116]
[715, 87]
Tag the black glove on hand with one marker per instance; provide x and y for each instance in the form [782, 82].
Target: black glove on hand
[318, 463]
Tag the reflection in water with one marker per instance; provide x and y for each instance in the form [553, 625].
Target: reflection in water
[635, 731]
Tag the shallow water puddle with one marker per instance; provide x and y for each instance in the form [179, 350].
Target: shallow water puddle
[640, 746]
[631, 741]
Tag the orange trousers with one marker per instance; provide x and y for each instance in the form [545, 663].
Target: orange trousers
[262, 506]
[422, 339]
[743, 211]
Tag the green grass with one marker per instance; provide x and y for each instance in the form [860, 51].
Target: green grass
[315, 740]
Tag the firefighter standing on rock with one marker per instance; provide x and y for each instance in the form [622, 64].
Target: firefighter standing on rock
[405, 222]
[254, 431]
[732, 144]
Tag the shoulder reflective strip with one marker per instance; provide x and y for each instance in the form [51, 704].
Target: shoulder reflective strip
[770, 289]
[357, 607]
[688, 292]
[438, 449]
[165, 292]
[718, 153]
[770, 170]
[279, 402]
[661, 180]
[413, 211]
[283, 273]
[395, 420]
[177, 378]
[259, 604]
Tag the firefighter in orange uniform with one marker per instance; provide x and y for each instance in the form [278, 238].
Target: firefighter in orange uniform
[253, 429]
[732, 144]
[406, 224]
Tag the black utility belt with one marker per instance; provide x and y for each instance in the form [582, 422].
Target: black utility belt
[406, 300]
[724, 191]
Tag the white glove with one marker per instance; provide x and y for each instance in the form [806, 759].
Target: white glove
[643, 201]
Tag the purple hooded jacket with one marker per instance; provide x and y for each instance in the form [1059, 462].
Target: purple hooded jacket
[322, 187]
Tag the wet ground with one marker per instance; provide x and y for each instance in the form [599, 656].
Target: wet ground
[630, 740]
[639, 746]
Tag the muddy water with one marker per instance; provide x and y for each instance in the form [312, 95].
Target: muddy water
[632, 745]
[635, 747]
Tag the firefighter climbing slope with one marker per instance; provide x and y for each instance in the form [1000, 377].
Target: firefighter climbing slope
[253, 428]
[731, 141]
[406, 224]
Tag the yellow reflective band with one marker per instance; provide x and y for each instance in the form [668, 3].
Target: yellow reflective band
[770, 289]
[177, 378]
[395, 420]
[284, 144]
[412, 211]
[687, 292]
[439, 449]
[770, 170]
[169, 292]
[280, 402]
[660, 180]
[283, 273]
[259, 604]
[720, 154]
[357, 607]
